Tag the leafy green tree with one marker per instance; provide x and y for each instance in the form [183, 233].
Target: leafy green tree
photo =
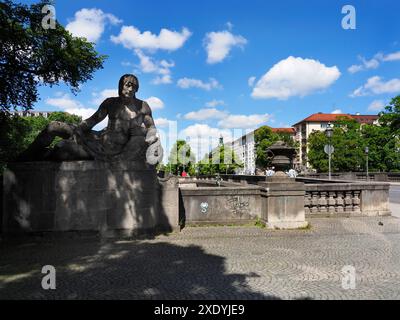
[391, 116]
[17, 133]
[264, 138]
[348, 143]
[31, 55]
[181, 158]
[221, 160]
[382, 145]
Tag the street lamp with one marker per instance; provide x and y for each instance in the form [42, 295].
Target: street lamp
[329, 148]
[366, 154]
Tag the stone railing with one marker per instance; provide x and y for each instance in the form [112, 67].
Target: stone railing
[372, 176]
[332, 197]
[332, 202]
[324, 197]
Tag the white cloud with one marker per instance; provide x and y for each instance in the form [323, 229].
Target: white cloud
[75, 107]
[204, 114]
[251, 81]
[155, 103]
[374, 62]
[295, 77]
[366, 64]
[186, 83]
[165, 79]
[90, 23]
[203, 138]
[162, 68]
[131, 38]
[229, 25]
[63, 102]
[213, 103]
[219, 44]
[392, 56]
[244, 121]
[375, 85]
[161, 122]
[99, 97]
[376, 105]
[337, 111]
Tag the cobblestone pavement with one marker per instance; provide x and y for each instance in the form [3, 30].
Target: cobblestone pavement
[214, 263]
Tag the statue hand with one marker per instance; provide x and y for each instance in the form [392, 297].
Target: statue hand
[150, 140]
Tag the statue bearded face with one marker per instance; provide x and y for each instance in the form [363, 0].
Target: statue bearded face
[129, 87]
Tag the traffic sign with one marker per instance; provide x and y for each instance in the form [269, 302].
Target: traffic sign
[329, 149]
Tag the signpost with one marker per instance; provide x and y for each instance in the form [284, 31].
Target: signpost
[329, 149]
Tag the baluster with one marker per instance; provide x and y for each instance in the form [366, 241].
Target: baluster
[314, 202]
[323, 203]
[356, 201]
[331, 202]
[307, 203]
[348, 201]
[339, 202]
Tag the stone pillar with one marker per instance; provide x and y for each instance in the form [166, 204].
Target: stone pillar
[285, 203]
[331, 202]
[339, 203]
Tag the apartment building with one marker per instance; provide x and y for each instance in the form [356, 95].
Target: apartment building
[319, 122]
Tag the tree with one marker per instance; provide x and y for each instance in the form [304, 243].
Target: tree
[181, 157]
[391, 116]
[31, 55]
[348, 144]
[17, 133]
[349, 140]
[221, 160]
[264, 138]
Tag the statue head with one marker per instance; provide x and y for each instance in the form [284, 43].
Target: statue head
[128, 85]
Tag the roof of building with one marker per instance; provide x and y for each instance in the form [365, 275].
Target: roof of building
[331, 117]
[284, 130]
[365, 118]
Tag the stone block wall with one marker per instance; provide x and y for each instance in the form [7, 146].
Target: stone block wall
[88, 195]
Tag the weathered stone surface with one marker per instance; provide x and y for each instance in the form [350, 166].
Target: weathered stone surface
[285, 203]
[227, 205]
[88, 195]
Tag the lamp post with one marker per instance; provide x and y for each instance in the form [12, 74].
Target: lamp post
[329, 147]
[366, 159]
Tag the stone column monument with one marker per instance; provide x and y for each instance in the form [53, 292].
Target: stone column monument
[102, 181]
[284, 196]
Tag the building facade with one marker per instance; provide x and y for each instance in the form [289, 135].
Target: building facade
[319, 122]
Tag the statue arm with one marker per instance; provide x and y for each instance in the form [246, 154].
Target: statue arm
[148, 121]
[97, 117]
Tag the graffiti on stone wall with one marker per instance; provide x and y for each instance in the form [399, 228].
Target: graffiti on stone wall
[238, 205]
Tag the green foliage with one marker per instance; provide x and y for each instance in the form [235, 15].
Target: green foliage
[180, 158]
[350, 139]
[17, 133]
[391, 116]
[346, 139]
[221, 160]
[264, 138]
[31, 55]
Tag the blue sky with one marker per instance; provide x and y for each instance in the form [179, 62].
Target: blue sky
[246, 63]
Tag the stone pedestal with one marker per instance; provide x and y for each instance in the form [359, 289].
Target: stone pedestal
[284, 203]
[108, 198]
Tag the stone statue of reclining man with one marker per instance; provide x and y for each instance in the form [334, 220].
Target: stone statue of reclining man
[130, 134]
